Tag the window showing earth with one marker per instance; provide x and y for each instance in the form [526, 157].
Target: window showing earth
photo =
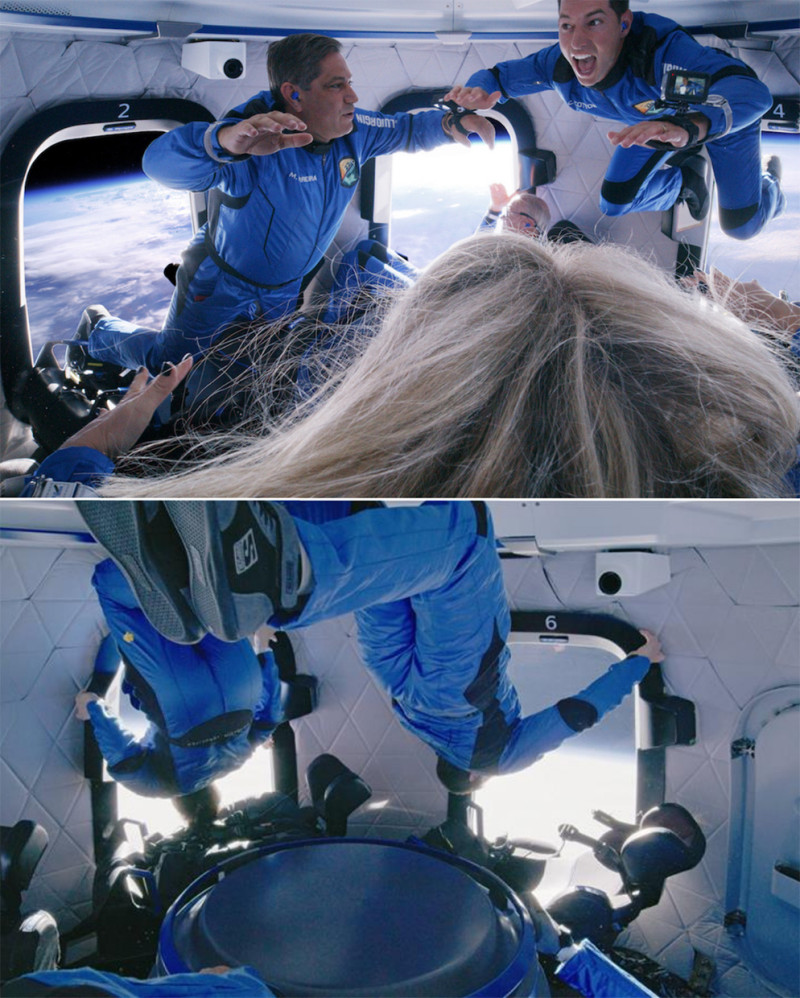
[97, 231]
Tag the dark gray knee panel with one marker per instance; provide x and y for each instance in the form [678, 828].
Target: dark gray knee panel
[578, 714]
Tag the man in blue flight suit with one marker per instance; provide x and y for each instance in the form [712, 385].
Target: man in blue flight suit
[209, 704]
[281, 170]
[425, 584]
[610, 62]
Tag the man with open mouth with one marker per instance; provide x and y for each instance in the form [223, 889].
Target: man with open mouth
[610, 62]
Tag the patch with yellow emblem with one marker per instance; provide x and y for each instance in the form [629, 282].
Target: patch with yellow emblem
[348, 171]
[646, 107]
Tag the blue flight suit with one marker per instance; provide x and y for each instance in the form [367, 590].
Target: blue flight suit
[237, 982]
[635, 180]
[209, 705]
[426, 586]
[270, 221]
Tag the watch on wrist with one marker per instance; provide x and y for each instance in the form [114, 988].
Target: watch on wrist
[454, 115]
[686, 123]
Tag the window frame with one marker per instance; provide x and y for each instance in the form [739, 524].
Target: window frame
[72, 120]
[655, 712]
[376, 175]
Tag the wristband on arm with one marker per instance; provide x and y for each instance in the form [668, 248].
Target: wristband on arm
[684, 122]
[453, 116]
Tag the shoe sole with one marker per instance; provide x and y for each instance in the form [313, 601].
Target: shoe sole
[121, 528]
[703, 195]
[243, 562]
[774, 168]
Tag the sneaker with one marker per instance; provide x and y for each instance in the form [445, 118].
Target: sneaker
[695, 190]
[244, 563]
[140, 538]
[76, 356]
[92, 314]
[772, 165]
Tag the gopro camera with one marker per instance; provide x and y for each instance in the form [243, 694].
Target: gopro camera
[680, 91]
[679, 86]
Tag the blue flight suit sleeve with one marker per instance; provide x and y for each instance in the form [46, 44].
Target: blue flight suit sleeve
[190, 158]
[131, 760]
[737, 97]
[267, 713]
[546, 730]
[75, 464]
[386, 133]
[239, 982]
[518, 77]
[115, 741]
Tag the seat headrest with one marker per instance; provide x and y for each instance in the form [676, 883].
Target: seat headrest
[651, 855]
[677, 819]
[21, 847]
[587, 913]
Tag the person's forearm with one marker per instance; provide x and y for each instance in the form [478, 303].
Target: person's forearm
[539, 733]
[85, 465]
[784, 316]
[115, 742]
[181, 159]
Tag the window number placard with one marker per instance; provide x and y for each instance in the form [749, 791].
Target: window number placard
[784, 114]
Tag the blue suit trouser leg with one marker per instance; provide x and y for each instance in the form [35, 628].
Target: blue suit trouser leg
[748, 198]
[192, 325]
[426, 586]
[381, 555]
[117, 341]
[635, 181]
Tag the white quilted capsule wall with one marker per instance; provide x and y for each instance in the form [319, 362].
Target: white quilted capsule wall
[50, 628]
[729, 622]
[354, 721]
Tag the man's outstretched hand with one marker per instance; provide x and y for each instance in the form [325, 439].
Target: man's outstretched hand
[264, 134]
[659, 130]
[473, 98]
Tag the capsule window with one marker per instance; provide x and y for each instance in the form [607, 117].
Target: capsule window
[593, 770]
[441, 196]
[97, 230]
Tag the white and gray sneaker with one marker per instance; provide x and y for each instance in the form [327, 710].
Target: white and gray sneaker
[244, 562]
[75, 354]
[141, 539]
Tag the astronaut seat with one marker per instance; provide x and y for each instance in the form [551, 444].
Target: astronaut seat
[29, 942]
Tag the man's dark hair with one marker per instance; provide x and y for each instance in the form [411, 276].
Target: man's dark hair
[296, 58]
[618, 6]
